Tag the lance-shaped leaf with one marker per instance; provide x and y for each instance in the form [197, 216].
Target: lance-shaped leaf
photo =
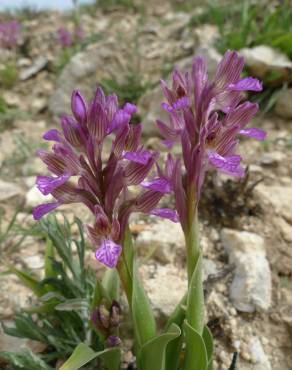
[174, 347]
[208, 339]
[196, 353]
[152, 354]
[83, 354]
[144, 322]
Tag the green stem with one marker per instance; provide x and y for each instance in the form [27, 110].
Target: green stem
[192, 233]
[125, 266]
[195, 300]
[192, 244]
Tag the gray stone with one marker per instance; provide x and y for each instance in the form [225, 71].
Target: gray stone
[163, 239]
[272, 158]
[38, 65]
[264, 61]
[165, 286]
[279, 197]
[283, 105]
[85, 70]
[258, 356]
[251, 287]
[9, 190]
[34, 262]
[284, 227]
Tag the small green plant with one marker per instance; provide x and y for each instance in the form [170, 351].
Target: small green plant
[11, 235]
[7, 115]
[109, 4]
[24, 149]
[247, 24]
[9, 75]
[66, 295]
[130, 90]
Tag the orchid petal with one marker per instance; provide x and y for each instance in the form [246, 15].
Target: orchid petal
[248, 83]
[166, 213]
[46, 184]
[255, 133]
[43, 209]
[229, 165]
[108, 253]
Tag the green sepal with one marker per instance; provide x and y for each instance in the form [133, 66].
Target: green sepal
[196, 357]
[143, 318]
[84, 354]
[208, 339]
[195, 300]
[152, 354]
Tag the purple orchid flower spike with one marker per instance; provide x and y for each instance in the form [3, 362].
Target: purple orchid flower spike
[10, 33]
[81, 174]
[65, 37]
[208, 118]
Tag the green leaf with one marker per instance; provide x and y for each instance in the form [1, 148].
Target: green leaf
[25, 360]
[152, 354]
[73, 304]
[111, 284]
[196, 353]
[49, 256]
[98, 295]
[208, 339]
[143, 318]
[29, 281]
[195, 300]
[173, 349]
[84, 354]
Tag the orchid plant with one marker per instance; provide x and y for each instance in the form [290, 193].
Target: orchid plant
[207, 117]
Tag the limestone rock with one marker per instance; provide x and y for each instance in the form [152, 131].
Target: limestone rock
[264, 61]
[85, 70]
[166, 286]
[251, 287]
[9, 190]
[279, 197]
[258, 356]
[283, 105]
[162, 238]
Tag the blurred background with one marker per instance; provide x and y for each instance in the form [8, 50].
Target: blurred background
[47, 49]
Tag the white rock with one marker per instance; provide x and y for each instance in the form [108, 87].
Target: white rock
[272, 158]
[34, 262]
[9, 190]
[263, 61]
[284, 227]
[279, 197]
[165, 286]
[258, 356]
[163, 238]
[283, 105]
[251, 287]
[34, 197]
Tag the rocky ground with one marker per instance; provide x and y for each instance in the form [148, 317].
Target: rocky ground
[246, 227]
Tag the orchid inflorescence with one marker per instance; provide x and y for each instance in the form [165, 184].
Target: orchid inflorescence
[82, 175]
[207, 118]
[67, 38]
[9, 34]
